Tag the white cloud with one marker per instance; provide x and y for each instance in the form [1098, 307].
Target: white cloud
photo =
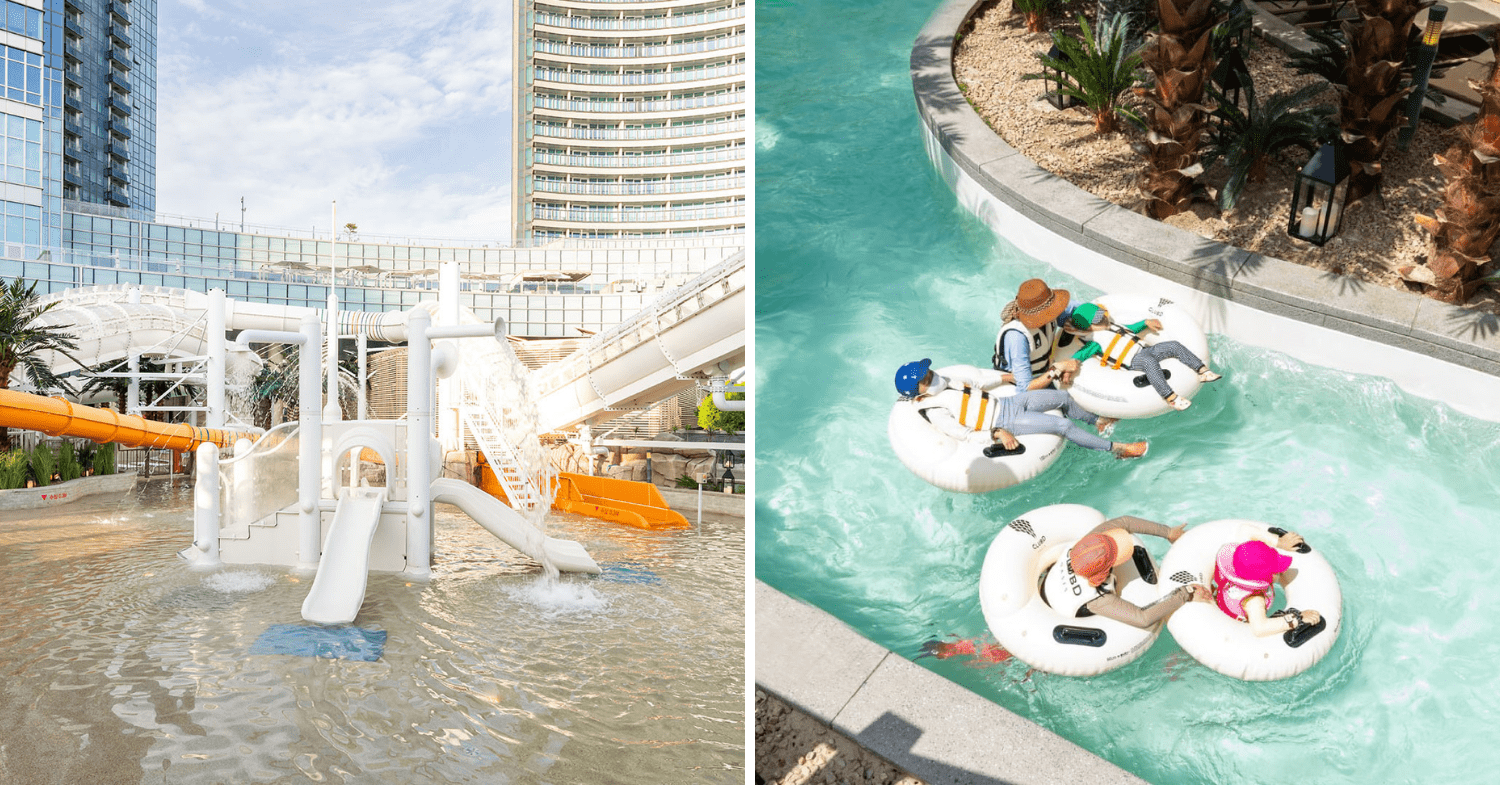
[399, 111]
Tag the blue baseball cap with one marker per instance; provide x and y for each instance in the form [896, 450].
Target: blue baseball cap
[910, 375]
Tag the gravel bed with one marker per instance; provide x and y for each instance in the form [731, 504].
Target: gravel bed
[793, 748]
[1379, 233]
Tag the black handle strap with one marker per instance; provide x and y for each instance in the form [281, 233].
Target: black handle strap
[1303, 548]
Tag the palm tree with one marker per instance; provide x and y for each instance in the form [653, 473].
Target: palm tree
[1367, 61]
[1469, 220]
[23, 341]
[150, 389]
[1181, 59]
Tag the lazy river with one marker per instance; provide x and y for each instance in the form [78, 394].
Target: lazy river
[121, 665]
[865, 261]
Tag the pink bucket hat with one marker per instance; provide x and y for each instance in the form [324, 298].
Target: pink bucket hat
[1257, 561]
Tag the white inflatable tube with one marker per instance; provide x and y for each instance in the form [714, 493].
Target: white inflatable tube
[1226, 645]
[1123, 393]
[961, 466]
[1027, 626]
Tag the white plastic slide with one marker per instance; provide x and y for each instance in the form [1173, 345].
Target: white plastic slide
[509, 526]
[339, 588]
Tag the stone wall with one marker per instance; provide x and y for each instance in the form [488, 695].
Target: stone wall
[630, 463]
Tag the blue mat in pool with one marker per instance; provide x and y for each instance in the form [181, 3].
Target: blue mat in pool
[334, 643]
[625, 572]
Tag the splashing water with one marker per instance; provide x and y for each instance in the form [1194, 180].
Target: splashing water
[554, 597]
[239, 581]
[494, 372]
[240, 369]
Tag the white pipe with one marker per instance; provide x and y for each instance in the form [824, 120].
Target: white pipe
[206, 508]
[418, 446]
[363, 342]
[448, 305]
[309, 449]
[720, 387]
[217, 358]
[247, 337]
[133, 392]
[726, 405]
[331, 410]
[309, 432]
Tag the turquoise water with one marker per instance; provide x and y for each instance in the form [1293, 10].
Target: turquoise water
[865, 261]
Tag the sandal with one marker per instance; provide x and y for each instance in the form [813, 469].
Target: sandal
[1131, 450]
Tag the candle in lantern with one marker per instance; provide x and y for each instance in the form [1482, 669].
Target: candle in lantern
[1309, 221]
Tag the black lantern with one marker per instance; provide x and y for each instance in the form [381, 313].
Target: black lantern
[1230, 76]
[728, 475]
[1318, 196]
[1054, 95]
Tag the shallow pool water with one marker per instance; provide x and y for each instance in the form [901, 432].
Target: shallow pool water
[121, 665]
[865, 261]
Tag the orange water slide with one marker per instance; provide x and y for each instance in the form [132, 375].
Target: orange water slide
[57, 417]
[637, 504]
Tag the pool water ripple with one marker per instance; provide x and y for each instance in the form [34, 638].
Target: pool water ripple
[864, 261]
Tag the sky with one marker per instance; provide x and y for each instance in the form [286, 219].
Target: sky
[398, 110]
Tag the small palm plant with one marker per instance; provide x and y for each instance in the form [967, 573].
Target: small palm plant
[1095, 70]
[1247, 138]
[1034, 12]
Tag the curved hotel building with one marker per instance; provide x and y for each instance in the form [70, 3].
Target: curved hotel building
[630, 118]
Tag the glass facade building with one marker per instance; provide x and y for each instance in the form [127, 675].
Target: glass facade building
[78, 201]
[542, 292]
[630, 118]
[105, 53]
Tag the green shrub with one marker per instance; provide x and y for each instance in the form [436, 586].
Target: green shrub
[687, 482]
[86, 455]
[43, 463]
[67, 463]
[13, 466]
[104, 459]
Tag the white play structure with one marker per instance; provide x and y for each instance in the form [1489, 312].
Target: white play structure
[300, 494]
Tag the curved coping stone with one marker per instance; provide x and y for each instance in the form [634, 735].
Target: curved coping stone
[1429, 348]
[64, 492]
[912, 717]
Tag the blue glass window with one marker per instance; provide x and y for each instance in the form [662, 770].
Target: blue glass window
[23, 76]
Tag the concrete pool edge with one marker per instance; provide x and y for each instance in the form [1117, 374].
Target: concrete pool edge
[929, 726]
[1428, 348]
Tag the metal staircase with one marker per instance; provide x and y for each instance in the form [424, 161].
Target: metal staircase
[481, 419]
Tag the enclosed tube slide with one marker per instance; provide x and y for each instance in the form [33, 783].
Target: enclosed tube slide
[112, 322]
[57, 417]
[686, 334]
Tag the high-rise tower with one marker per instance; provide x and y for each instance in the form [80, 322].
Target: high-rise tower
[106, 52]
[630, 118]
